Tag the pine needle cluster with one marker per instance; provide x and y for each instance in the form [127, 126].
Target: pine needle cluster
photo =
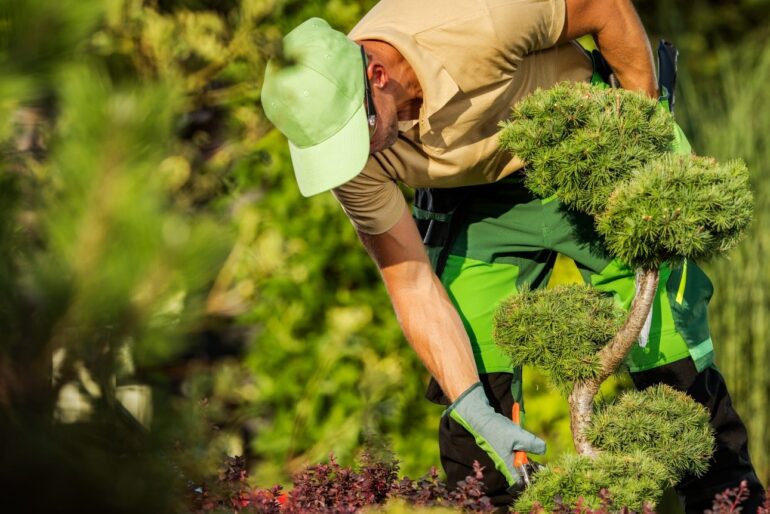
[580, 140]
[558, 330]
[677, 206]
[607, 152]
[649, 440]
[665, 424]
[631, 479]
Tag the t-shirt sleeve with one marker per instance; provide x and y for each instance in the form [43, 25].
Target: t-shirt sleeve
[526, 26]
[372, 200]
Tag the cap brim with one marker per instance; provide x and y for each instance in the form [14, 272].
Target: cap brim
[338, 159]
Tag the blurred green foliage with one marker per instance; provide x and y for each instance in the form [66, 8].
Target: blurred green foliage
[328, 356]
[155, 247]
[150, 219]
[102, 273]
[702, 29]
[725, 120]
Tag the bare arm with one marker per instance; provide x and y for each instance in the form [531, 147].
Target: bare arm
[620, 36]
[426, 314]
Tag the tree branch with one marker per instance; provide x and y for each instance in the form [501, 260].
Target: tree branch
[611, 356]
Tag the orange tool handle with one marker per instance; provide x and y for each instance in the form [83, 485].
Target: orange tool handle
[519, 457]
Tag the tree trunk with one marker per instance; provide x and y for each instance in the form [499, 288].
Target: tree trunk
[611, 356]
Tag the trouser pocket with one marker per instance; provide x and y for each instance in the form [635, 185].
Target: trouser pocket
[435, 212]
[689, 291]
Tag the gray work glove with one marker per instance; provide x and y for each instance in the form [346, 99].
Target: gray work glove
[494, 433]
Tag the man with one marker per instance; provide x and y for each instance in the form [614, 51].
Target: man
[414, 95]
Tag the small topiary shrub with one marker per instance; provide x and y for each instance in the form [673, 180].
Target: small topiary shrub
[664, 424]
[580, 140]
[531, 327]
[631, 480]
[677, 206]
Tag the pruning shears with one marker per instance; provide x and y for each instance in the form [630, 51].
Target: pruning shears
[521, 462]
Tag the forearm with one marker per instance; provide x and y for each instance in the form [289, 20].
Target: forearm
[436, 332]
[621, 37]
[426, 314]
[434, 329]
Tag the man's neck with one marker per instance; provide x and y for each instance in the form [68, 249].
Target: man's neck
[410, 110]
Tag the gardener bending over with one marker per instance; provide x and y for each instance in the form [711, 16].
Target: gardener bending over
[415, 94]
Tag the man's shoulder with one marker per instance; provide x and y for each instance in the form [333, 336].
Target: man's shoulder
[474, 43]
[410, 17]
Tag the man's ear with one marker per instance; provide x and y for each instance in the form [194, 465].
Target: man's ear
[378, 74]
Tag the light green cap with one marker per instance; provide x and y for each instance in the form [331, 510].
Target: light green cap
[318, 104]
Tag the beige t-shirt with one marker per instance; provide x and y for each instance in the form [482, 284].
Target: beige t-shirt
[474, 59]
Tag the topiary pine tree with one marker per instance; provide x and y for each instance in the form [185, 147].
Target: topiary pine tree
[609, 153]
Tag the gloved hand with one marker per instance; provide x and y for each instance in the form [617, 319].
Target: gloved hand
[494, 433]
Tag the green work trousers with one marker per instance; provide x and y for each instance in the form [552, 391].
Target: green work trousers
[502, 238]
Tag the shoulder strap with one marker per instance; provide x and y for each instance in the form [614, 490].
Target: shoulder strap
[667, 56]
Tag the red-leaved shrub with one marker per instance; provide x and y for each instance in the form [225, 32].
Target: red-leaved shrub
[335, 489]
